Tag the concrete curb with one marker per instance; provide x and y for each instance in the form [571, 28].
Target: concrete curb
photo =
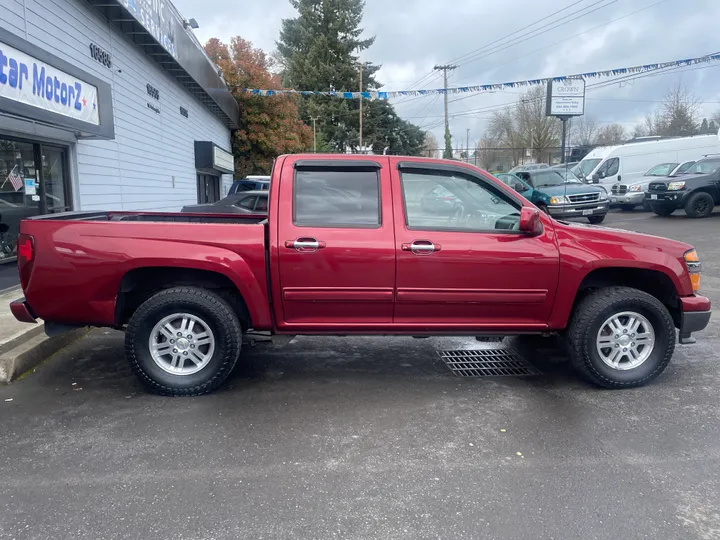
[32, 348]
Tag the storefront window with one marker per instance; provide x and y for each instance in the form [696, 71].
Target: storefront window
[17, 170]
[24, 192]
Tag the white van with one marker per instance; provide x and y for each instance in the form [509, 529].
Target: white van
[626, 162]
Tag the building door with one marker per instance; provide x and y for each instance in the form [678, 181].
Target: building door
[33, 180]
[208, 188]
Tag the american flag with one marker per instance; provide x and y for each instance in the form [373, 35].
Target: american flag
[15, 178]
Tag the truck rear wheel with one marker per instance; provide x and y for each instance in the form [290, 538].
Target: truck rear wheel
[183, 341]
[620, 337]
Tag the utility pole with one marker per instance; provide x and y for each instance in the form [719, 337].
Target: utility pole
[448, 139]
[361, 110]
[467, 145]
[314, 119]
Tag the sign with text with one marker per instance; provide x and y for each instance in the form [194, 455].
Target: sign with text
[566, 98]
[28, 80]
[157, 17]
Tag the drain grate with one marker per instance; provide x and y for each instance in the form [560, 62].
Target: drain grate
[487, 363]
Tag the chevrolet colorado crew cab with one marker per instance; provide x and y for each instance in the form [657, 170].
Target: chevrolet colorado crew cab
[361, 245]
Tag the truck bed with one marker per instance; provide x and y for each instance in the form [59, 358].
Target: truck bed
[81, 258]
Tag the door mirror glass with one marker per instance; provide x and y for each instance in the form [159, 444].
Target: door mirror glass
[530, 221]
[520, 187]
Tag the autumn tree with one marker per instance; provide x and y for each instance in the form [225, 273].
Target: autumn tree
[269, 125]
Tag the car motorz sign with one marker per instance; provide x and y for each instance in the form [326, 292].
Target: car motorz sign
[27, 80]
[566, 97]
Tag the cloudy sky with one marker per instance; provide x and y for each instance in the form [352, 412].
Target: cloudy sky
[490, 43]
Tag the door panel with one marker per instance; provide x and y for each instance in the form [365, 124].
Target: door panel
[480, 272]
[336, 244]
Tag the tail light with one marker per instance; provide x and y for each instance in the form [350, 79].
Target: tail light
[25, 257]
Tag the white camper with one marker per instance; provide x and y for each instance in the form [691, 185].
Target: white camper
[625, 162]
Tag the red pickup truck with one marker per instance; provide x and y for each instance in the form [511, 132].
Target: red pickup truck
[374, 245]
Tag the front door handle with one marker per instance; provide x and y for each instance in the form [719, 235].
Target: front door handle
[304, 245]
[421, 247]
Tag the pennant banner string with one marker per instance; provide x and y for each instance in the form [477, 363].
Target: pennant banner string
[376, 94]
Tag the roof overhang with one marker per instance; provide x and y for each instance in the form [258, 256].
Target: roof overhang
[162, 33]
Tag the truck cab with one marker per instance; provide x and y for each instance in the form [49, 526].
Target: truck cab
[697, 191]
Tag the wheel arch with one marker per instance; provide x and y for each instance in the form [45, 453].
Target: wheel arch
[139, 284]
[655, 282]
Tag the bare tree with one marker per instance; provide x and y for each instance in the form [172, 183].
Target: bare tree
[611, 134]
[487, 152]
[430, 146]
[679, 112]
[527, 126]
[583, 131]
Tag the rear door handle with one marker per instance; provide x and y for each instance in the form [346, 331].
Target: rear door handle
[421, 247]
[305, 245]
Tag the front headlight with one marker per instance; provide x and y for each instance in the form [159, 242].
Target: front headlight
[636, 188]
[561, 199]
[692, 262]
[674, 186]
[603, 196]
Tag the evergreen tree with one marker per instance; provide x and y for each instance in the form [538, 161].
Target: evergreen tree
[318, 51]
[704, 128]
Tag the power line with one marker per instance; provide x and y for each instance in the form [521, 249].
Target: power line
[537, 32]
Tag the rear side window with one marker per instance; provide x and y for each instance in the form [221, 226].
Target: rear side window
[247, 202]
[262, 204]
[328, 198]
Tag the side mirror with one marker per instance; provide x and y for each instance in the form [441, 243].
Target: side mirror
[519, 187]
[530, 221]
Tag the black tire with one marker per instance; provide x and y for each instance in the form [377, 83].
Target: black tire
[627, 207]
[211, 310]
[586, 323]
[595, 220]
[662, 211]
[646, 206]
[699, 205]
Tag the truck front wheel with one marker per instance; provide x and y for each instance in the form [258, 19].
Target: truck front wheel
[183, 341]
[620, 337]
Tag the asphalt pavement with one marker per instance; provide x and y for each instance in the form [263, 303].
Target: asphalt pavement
[365, 438]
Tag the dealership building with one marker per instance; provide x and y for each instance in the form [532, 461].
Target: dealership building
[107, 104]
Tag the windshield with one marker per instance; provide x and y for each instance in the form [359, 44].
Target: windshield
[684, 168]
[664, 169]
[568, 174]
[704, 167]
[586, 166]
[552, 178]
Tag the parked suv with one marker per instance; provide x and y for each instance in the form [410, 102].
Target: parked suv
[560, 193]
[697, 191]
[630, 194]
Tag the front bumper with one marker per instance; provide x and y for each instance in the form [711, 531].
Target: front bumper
[635, 197]
[21, 311]
[695, 316]
[666, 199]
[597, 208]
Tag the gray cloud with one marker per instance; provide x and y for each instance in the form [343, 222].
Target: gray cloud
[413, 37]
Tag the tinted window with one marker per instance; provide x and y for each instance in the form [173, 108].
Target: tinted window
[262, 204]
[472, 205]
[337, 198]
[247, 202]
[547, 178]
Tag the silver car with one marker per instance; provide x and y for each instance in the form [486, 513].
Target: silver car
[628, 195]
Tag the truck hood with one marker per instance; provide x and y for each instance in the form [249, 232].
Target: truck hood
[569, 189]
[631, 244]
